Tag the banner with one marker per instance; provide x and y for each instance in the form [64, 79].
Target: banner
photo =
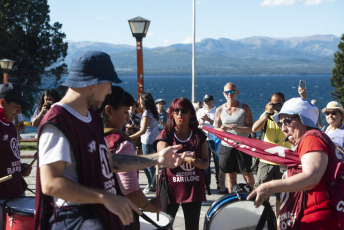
[257, 148]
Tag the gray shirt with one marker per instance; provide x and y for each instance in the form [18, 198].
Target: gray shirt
[152, 131]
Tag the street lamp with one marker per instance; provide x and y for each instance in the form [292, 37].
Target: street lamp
[6, 65]
[139, 27]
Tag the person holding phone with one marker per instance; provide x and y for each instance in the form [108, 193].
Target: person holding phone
[302, 90]
[45, 101]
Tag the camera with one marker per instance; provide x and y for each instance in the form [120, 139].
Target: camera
[277, 106]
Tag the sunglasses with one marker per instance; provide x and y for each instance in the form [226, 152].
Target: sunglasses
[230, 92]
[333, 113]
[183, 110]
[286, 121]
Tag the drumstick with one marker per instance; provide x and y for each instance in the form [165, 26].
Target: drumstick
[149, 220]
[157, 186]
[32, 162]
[9, 177]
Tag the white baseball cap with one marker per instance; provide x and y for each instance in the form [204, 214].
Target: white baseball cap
[307, 112]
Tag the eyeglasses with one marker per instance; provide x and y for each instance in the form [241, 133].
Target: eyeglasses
[286, 121]
[183, 110]
[230, 92]
[333, 113]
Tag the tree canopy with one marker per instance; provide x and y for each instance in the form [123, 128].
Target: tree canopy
[337, 79]
[37, 47]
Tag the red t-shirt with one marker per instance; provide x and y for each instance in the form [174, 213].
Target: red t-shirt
[319, 209]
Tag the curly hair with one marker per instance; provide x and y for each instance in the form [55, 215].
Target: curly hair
[49, 92]
[149, 104]
[185, 103]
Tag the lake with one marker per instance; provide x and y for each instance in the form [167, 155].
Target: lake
[253, 90]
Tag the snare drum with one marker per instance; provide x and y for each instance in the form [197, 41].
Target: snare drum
[233, 211]
[20, 213]
[165, 221]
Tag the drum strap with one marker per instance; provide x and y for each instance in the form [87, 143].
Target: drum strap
[267, 216]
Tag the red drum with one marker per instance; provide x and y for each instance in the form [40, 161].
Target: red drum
[20, 213]
[165, 221]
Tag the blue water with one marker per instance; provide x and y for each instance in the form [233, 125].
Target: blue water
[253, 90]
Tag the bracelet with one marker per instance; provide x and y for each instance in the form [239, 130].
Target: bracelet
[267, 114]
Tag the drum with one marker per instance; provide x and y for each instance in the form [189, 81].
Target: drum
[20, 213]
[233, 211]
[165, 221]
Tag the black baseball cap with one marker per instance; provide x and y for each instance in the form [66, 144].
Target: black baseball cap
[208, 97]
[12, 92]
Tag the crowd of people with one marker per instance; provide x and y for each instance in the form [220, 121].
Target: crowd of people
[92, 141]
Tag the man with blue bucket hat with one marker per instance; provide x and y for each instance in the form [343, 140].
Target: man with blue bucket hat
[75, 172]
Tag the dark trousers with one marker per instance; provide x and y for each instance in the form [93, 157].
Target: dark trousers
[207, 171]
[191, 210]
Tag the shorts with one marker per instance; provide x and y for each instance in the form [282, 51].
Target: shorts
[267, 172]
[232, 160]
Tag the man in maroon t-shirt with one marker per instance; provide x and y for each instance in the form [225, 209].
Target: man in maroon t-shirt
[11, 100]
[74, 165]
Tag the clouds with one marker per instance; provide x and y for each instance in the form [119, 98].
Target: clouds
[292, 2]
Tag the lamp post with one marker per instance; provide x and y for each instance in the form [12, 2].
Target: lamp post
[139, 27]
[6, 65]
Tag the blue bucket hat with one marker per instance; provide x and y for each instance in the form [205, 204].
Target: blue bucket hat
[91, 68]
[307, 112]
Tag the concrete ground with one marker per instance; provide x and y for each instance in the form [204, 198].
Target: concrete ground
[27, 157]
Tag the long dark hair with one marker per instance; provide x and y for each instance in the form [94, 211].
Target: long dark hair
[149, 104]
[49, 92]
[185, 103]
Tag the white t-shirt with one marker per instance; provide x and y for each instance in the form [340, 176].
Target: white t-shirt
[211, 115]
[54, 147]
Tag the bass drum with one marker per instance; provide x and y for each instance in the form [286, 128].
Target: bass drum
[233, 211]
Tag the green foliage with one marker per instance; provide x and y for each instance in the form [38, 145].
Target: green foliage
[337, 79]
[36, 46]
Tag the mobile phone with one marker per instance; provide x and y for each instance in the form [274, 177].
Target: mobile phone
[302, 84]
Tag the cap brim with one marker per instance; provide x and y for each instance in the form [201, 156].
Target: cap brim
[304, 120]
[338, 108]
[78, 81]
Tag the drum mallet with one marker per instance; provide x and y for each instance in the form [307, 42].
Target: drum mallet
[157, 186]
[9, 177]
[32, 162]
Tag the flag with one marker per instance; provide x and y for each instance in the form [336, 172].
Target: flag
[257, 148]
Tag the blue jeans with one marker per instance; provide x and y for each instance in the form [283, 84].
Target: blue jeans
[207, 171]
[150, 171]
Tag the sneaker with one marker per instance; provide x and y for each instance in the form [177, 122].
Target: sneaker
[152, 189]
[146, 189]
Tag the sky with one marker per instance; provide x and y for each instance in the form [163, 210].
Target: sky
[171, 21]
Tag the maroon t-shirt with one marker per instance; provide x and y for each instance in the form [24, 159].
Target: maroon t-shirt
[91, 154]
[185, 183]
[10, 160]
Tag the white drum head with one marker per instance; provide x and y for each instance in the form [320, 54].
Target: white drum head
[164, 220]
[237, 215]
[22, 204]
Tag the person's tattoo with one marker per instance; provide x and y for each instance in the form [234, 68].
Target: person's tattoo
[217, 121]
[122, 162]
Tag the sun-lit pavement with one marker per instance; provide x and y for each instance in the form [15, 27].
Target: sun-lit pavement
[179, 220]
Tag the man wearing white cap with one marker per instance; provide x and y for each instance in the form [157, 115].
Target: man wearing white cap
[303, 210]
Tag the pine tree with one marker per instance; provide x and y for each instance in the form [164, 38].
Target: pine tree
[28, 38]
[337, 79]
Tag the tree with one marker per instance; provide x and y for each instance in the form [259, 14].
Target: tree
[36, 46]
[337, 79]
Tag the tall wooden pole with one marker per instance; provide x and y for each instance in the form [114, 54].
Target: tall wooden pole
[140, 82]
[5, 77]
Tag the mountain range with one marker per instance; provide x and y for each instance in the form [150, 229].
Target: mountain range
[311, 55]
